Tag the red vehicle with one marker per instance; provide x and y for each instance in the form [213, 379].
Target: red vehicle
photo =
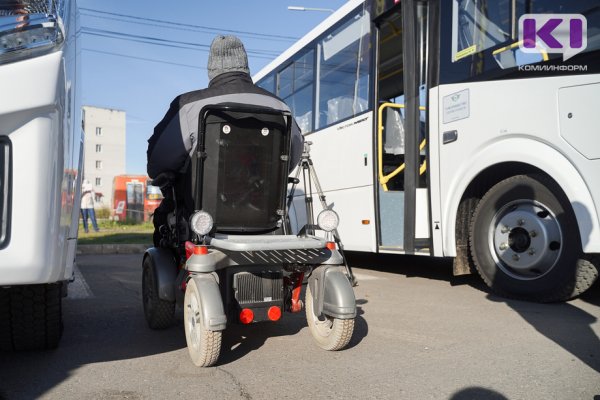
[134, 198]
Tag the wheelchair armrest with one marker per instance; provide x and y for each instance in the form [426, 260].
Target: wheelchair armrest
[164, 180]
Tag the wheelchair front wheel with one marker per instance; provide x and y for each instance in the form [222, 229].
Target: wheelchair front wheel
[330, 333]
[203, 345]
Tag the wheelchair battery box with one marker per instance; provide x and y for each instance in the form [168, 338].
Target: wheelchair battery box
[258, 291]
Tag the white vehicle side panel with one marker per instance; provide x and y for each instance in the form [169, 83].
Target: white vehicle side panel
[31, 84]
[343, 159]
[507, 124]
[580, 119]
[422, 214]
[353, 206]
[32, 254]
[434, 175]
[41, 118]
[340, 151]
[39, 130]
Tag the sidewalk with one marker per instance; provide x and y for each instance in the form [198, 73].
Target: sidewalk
[112, 248]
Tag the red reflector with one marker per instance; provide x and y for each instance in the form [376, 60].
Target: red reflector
[189, 249]
[200, 250]
[330, 245]
[246, 316]
[274, 313]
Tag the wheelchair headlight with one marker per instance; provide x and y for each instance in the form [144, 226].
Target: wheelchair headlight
[328, 220]
[201, 222]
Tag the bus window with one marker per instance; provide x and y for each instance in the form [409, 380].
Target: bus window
[268, 83]
[483, 37]
[479, 25]
[295, 87]
[343, 71]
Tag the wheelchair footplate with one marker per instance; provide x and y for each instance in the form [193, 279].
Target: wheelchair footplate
[277, 249]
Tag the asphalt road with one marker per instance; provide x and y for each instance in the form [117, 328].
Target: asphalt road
[420, 334]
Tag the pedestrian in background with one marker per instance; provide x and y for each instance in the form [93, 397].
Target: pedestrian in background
[87, 205]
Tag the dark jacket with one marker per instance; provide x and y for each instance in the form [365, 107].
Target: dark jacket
[175, 136]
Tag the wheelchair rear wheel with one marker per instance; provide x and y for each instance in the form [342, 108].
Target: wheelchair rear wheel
[159, 313]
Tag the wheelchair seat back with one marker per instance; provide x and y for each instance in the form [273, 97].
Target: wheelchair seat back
[240, 167]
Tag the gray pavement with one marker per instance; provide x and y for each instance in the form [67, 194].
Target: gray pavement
[420, 334]
[112, 248]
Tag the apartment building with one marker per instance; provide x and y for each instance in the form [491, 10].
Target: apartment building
[104, 152]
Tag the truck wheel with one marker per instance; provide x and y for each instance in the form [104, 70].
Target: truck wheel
[525, 241]
[159, 313]
[203, 345]
[31, 317]
[330, 333]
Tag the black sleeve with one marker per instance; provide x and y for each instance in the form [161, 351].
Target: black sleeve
[159, 129]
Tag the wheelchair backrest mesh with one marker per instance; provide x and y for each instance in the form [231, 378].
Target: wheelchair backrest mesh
[243, 168]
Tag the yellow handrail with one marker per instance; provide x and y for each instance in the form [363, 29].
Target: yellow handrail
[515, 44]
[384, 179]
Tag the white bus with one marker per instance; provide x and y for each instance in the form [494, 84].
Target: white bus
[40, 159]
[435, 133]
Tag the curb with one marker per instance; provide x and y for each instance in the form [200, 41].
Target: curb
[112, 248]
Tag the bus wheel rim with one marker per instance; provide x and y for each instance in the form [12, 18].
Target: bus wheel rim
[526, 239]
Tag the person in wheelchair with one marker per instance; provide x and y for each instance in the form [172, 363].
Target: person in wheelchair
[176, 135]
[224, 250]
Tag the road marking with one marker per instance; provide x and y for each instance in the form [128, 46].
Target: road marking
[79, 288]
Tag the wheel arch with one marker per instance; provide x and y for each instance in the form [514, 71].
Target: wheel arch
[164, 269]
[213, 309]
[527, 156]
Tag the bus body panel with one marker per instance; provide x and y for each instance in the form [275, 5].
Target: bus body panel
[579, 118]
[437, 228]
[32, 84]
[525, 129]
[37, 230]
[356, 205]
[342, 155]
[41, 120]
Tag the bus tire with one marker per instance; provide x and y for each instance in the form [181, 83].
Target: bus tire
[330, 333]
[159, 313]
[525, 241]
[30, 317]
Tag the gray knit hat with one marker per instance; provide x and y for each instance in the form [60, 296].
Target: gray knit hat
[227, 54]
